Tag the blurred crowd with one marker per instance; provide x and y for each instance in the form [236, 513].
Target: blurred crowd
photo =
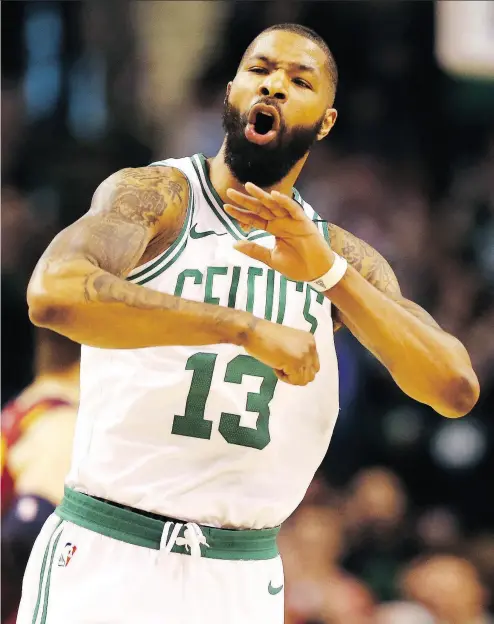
[365, 555]
[409, 168]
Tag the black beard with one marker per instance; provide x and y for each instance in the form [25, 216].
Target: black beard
[264, 165]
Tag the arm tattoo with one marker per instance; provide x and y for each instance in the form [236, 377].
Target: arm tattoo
[114, 244]
[120, 228]
[365, 259]
[105, 288]
[376, 270]
[140, 195]
[139, 200]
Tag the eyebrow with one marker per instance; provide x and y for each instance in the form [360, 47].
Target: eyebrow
[268, 61]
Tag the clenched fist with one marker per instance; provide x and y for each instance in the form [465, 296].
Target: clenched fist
[291, 353]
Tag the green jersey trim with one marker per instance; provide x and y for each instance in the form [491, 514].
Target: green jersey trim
[155, 267]
[130, 526]
[45, 572]
[257, 235]
[48, 580]
[325, 231]
[298, 198]
[214, 200]
[321, 225]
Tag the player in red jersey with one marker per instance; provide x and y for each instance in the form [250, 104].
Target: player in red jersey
[37, 430]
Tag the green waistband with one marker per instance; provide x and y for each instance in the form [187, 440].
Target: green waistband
[134, 528]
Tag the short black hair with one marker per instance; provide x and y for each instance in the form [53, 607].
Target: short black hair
[308, 33]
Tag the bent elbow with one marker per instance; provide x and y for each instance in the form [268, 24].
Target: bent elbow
[462, 394]
[55, 292]
[47, 314]
[44, 309]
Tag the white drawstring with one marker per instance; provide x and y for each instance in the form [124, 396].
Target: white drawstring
[167, 544]
[192, 539]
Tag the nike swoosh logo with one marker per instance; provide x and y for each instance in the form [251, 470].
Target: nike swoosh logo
[195, 234]
[274, 590]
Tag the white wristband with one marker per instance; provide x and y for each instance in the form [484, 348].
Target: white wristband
[332, 277]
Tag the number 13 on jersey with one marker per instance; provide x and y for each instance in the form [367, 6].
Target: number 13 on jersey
[193, 422]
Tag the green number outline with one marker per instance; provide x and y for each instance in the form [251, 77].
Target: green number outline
[193, 422]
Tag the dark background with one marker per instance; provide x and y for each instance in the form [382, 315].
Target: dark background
[409, 168]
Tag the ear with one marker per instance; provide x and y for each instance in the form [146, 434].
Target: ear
[328, 123]
[228, 89]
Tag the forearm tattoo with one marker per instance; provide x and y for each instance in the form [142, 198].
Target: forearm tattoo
[376, 270]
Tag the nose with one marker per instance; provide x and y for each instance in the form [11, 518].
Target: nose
[274, 87]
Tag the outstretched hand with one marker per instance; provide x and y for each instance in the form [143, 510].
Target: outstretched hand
[300, 252]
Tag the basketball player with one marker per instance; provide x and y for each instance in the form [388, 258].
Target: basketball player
[209, 383]
[37, 433]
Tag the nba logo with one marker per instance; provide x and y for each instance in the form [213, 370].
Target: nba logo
[67, 554]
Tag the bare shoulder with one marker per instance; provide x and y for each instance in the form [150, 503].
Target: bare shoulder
[135, 215]
[141, 209]
[154, 198]
[365, 259]
[142, 195]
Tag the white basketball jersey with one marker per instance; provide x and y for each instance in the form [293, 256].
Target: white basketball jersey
[208, 433]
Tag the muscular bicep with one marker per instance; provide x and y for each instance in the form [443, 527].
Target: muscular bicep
[106, 241]
[129, 210]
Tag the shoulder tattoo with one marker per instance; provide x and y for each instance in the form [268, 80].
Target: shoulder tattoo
[121, 226]
[142, 195]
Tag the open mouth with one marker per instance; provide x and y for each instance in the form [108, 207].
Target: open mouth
[263, 124]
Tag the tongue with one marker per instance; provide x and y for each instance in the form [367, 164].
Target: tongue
[260, 139]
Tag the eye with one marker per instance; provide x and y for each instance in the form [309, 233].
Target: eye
[301, 83]
[258, 70]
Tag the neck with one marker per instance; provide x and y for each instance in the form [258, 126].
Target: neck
[222, 178]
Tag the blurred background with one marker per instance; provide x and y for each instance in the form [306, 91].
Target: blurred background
[398, 525]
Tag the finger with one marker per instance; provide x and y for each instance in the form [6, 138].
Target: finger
[254, 251]
[311, 364]
[295, 375]
[267, 200]
[290, 378]
[308, 373]
[282, 376]
[245, 217]
[314, 359]
[299, 379]
[294, 209]
[250, 203]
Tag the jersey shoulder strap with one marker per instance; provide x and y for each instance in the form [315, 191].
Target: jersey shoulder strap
[151, 269]
[322, 224]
